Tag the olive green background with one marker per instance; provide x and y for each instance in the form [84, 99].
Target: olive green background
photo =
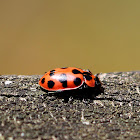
[40, 35]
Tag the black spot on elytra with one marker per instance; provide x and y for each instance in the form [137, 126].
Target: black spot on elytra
[52, 72]
[64, 67]
[43, 80]
[64, 84]
[63, 79]
[88, 77]
[50, 84]
[75, 71]
[77, 81]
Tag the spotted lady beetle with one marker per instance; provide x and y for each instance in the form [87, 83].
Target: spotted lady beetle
[69, 79]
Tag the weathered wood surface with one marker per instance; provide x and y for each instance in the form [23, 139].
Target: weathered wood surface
[25, 113]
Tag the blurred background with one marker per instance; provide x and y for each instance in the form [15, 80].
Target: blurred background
[37, 36]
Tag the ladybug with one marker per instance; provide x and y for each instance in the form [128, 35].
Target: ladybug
[67, 79]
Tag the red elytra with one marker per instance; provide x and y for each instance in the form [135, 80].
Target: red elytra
[68, 78]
